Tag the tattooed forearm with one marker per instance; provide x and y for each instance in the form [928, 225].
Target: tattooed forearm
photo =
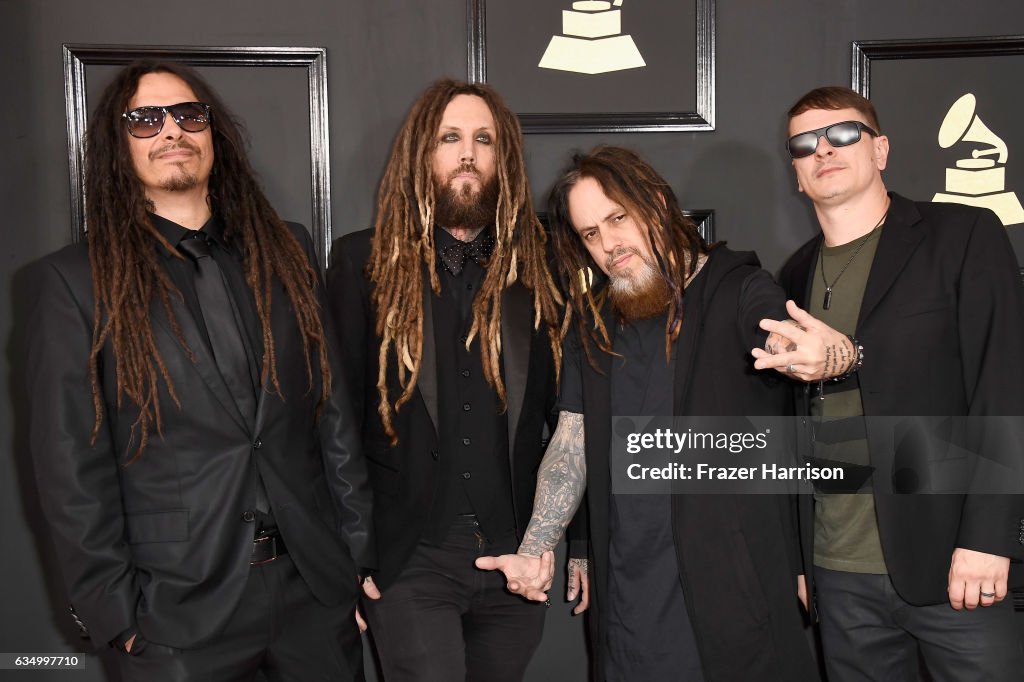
[561, 480]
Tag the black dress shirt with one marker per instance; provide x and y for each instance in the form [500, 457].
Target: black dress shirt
[473, 431]
[231, 263]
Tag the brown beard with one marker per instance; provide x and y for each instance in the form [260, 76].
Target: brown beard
[641, 295]
[462, 207]
[182, 180]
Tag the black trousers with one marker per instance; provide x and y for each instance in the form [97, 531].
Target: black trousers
[278, 628]
[444, 620]
[869, 633]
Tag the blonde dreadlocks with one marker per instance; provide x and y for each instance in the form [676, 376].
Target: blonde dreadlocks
[403, 243]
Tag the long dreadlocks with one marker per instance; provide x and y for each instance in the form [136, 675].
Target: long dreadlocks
[126, 271]
[403, 242]
[673, 238]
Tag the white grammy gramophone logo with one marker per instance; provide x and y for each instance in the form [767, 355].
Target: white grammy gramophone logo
[977, 181]
[592, 41]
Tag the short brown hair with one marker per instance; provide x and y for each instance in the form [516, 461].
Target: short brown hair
[836, 97]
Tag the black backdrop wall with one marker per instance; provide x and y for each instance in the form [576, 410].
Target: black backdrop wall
[380, 54]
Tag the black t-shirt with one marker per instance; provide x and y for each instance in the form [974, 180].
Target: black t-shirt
[649, 632]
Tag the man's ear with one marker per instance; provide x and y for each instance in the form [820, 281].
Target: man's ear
[881, 149]
[799, 187]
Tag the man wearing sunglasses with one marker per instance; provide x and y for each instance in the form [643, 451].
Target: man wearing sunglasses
[921, 307]
[195, 452]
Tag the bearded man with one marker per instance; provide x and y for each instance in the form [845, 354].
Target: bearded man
[687, 587]
[449, 316]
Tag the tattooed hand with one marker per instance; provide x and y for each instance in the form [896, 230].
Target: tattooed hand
[820, 351]
[578, 583]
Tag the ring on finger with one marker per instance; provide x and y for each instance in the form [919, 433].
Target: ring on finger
[790, 369]
[989, 595]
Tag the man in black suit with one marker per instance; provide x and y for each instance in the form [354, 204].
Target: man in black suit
[448, 315]
[196, 457]
[931, 299]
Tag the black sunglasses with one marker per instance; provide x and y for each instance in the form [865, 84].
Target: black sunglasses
[192, 117]
[837, 134]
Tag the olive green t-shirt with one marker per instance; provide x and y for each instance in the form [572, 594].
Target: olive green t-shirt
[845, 525]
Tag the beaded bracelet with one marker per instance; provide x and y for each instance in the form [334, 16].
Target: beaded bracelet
[858, 362]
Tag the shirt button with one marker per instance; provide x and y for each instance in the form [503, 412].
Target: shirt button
[257, 444]
[433, 453]
[466, 407]
[465, 441]
[466, 475]
[248, 516]
[463, 338]
[466, 373]
[469, 287]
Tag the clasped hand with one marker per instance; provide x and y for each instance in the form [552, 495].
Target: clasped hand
[804, 347]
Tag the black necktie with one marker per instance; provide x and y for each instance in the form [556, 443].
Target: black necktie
[455, 254]
[225, 337]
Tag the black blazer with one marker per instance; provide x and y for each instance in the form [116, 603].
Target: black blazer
[738, 555]
[406, 477]
[942, 325]
[163, 544]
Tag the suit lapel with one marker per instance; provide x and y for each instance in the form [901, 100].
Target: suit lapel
[803, 271]
[897, 242]
[204, 363]
[427, 382]
[516, 333]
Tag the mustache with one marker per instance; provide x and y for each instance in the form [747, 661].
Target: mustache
[463, 168]
[180, 144]
[618, 253]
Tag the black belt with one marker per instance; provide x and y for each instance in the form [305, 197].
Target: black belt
[267, 548]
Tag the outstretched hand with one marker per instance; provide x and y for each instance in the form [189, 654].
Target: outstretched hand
[804, 348]
[527, 575]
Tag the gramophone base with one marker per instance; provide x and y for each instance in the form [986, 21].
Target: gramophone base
[1006, 205]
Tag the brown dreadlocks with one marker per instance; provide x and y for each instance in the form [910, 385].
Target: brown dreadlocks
[126, 270]
[672, 237]
[403, 241]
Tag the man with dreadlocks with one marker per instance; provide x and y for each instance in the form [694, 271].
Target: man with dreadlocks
[448, 315]
[197, 461]
[699, 587]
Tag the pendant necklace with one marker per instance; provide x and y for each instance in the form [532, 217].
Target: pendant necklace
[827, 303]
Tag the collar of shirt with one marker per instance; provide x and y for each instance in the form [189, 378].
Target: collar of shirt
[443, 237]
[174, 233]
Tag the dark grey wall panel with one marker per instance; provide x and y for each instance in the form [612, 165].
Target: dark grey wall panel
[381, 53]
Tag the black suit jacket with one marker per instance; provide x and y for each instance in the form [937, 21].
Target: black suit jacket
[163, 544]
[738, 555]
[942, 325]
[406, 477]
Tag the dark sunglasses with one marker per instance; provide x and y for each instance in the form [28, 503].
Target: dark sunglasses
[837, 134]
[192, 117]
